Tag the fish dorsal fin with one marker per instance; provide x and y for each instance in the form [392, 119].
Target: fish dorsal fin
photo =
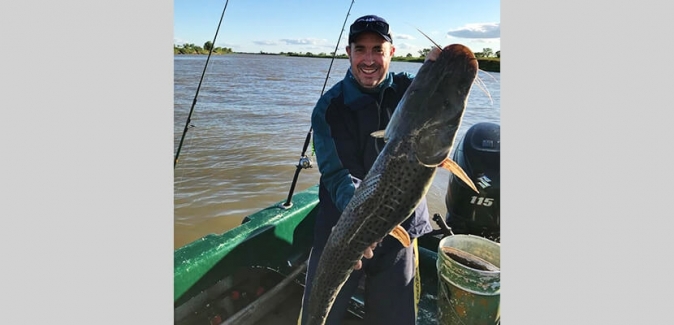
[379, 135]
[453, 167]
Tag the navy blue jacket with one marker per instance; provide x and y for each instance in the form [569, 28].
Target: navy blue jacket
[342, 121]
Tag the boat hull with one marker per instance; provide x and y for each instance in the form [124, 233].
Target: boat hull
[256, 271]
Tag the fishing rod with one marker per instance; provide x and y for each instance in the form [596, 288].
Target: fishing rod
[194, 102]
[305, 162]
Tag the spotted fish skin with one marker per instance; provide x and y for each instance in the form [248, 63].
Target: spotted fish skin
[418, 138]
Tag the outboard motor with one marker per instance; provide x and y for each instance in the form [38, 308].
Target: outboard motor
[479, 154]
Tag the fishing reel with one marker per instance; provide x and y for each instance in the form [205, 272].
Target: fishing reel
[305, 162]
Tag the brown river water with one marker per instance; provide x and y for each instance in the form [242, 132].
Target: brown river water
[250, 122]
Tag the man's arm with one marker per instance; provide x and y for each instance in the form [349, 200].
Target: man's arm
[335, 177]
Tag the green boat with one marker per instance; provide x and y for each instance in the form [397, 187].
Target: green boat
[254, 273]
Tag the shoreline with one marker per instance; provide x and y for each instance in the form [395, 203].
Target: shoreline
[490, 64]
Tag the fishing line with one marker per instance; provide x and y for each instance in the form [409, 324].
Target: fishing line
[194, 102]
[305, 162]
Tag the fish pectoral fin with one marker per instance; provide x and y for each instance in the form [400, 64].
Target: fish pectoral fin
[453, 167]
[401, 235]
[379, 135]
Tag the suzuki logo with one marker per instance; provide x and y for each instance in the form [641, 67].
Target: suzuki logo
[484, 181]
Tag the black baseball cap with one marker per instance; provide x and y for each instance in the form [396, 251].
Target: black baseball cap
[370, 23]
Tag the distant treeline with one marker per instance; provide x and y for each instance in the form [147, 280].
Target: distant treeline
[487, 59]
[195, 49]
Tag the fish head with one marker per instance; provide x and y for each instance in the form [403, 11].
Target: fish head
[431, 109]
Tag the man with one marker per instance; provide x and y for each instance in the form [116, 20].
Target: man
[342, 122]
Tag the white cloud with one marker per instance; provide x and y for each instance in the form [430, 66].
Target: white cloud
[304, 41]
[403, 36]
[265, 43]
[403, 48]
[482, 30]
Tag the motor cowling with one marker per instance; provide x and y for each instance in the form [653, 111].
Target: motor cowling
[479, 154]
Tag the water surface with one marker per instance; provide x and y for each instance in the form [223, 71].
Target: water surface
[250, 121]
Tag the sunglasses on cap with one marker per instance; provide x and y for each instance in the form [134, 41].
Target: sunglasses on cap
[376, 26]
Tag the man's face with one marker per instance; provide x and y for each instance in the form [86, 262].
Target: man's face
[370, 56]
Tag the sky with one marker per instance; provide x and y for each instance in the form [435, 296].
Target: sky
[315, 26]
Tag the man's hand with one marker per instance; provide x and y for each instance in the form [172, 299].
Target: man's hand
[369, 252]
[433, 54]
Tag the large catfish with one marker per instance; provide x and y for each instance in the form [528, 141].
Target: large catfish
[418, 139]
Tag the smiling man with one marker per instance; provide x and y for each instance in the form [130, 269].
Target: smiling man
[342, 121]
[370, 51]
